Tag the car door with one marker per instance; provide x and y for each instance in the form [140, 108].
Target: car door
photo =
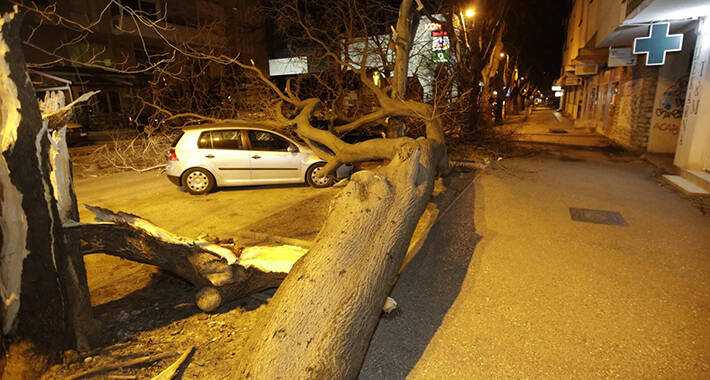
[271, 160]
[225, 151]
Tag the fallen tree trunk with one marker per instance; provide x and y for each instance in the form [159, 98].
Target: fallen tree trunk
[322, 317]
[218, 272]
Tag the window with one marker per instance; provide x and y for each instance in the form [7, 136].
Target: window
[114, 101]
[262, 140]
[227, 139]
[205, 141]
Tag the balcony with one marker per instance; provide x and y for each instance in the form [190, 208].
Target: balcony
[212, 37]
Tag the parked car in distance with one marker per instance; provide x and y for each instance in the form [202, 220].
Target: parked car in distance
[76, 134]
[210, 155]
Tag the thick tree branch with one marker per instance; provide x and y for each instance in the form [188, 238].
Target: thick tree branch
[216, 270]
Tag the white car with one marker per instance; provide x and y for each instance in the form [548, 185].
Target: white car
[223, 154]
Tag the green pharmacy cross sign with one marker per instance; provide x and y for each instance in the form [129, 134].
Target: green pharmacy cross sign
[658, 44]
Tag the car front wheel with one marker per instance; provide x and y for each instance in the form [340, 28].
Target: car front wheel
[198, 181]
[314, 179]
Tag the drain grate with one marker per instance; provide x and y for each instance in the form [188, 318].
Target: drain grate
[584, 215]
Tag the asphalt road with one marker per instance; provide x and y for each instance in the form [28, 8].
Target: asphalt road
[509, 286]
[220, 214]
[151, 196]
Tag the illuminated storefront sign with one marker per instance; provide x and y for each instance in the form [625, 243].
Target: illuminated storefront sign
[659, 43]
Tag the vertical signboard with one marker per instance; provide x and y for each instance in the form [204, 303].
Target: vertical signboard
[620, 57]
[441, 46]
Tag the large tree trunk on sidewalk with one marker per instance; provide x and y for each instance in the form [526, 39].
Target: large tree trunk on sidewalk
[35, 310]
[322, 317]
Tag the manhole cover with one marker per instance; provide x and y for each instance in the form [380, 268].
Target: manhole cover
[597, 216]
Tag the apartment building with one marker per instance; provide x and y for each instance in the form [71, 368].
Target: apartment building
[120, 46]
[636, 72]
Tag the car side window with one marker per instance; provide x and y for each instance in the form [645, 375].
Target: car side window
[262, 140]
[227, 139]
[205, 141]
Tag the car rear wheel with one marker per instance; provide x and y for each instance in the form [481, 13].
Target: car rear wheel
[313, 179]
[198, 181]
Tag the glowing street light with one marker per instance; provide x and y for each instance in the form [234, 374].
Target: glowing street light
[502, 55]
[470, 13]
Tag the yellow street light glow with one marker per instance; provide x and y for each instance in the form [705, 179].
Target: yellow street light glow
[502, 55]
[470, 12]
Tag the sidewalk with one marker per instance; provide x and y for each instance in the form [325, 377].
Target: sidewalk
[508, 285]
[548, 126]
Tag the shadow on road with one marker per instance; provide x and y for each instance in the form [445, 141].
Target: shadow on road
[164, 300]
[425, 292]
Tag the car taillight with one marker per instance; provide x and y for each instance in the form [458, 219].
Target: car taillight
[171, 155]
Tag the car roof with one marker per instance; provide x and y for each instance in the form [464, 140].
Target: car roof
[222, 125]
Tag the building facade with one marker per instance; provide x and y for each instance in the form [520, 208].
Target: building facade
[117, 55]
[635, 98]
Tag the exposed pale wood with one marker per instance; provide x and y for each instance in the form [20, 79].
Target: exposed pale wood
[274, 238]
[55, 115]
[424, 226]
[169, 373]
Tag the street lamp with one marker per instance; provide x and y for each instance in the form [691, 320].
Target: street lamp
[470, 12]
[502, 55]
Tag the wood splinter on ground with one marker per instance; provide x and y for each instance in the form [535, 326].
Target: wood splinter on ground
[390, 305]
[169, 372]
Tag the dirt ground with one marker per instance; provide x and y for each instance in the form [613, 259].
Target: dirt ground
[144, 311]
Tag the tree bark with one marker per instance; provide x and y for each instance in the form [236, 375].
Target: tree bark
[86, 328]
[35, 310]
[317, 330]
[403, 46]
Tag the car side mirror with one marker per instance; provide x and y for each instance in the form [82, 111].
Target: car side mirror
[292, 149]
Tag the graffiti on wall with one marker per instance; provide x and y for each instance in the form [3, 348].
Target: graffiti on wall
[671, 106]
[670, 127]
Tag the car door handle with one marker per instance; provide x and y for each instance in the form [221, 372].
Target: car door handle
[210, 156]
[256, 157]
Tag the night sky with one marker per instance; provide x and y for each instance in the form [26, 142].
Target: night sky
[538, 27]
